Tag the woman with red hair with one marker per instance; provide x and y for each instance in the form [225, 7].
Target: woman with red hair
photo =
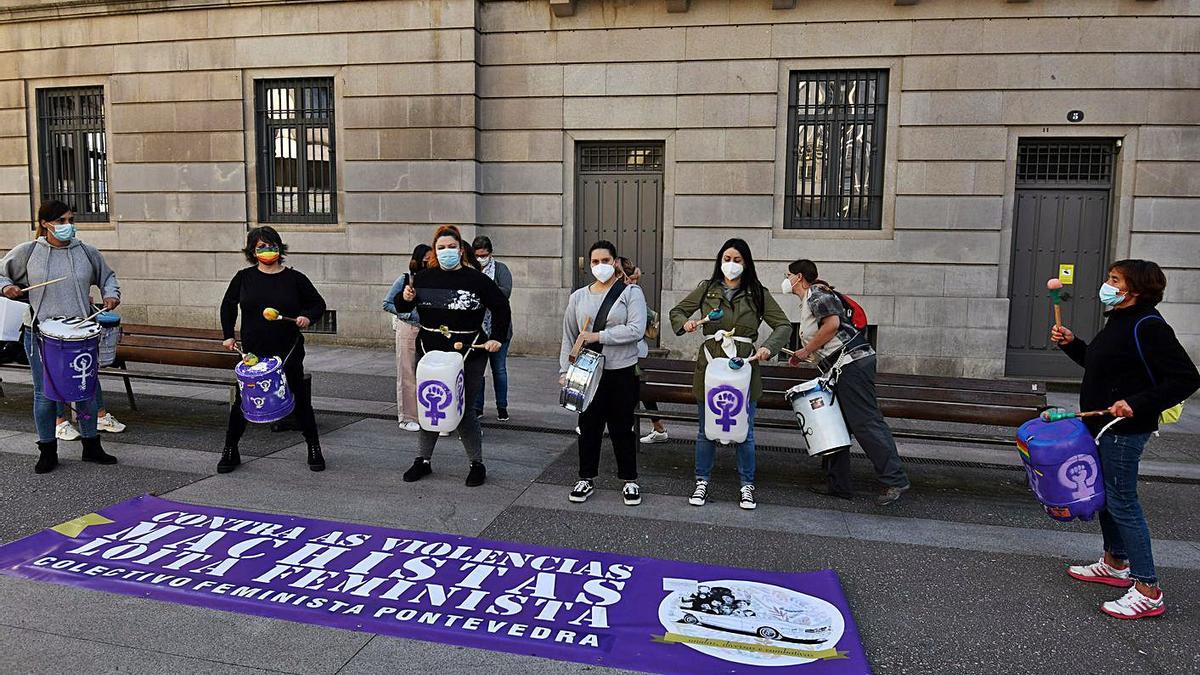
[451, 296]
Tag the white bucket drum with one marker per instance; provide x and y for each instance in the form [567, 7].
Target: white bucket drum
[440, 391]
[820, 417]
[12, 317]
[726, 402]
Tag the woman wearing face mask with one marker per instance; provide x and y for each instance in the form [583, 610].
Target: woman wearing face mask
[267, 283]
[407, 326]
[1136, 369]
[734, 289]
[617, 394]
[53, 254]
[829, 338]
[452, 293]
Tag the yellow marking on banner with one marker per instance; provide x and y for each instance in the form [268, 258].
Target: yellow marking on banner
[1066, 274]
[72, 528]
[749, 647]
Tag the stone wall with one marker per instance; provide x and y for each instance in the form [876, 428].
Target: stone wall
[467, 112]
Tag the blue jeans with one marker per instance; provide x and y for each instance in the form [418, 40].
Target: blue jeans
[706, 450]
[45, 411]
[1126, 535]
[499, 361]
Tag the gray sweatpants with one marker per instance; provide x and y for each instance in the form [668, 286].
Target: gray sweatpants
[855, 391]
[469, 429]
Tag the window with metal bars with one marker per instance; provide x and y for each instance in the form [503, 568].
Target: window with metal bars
[297, 168]
[326, 325]
[620, 157]
[72, 150]
[837, 121]
[1065, 162]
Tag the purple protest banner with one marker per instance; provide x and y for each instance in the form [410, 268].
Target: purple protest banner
[597, 608]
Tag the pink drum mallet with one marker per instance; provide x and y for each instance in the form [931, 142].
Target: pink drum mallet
[1055, 287]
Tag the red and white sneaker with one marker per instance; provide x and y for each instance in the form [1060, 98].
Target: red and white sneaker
[1134, 605]
[1101, 573]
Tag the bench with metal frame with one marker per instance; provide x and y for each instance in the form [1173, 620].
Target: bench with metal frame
[1007, 403]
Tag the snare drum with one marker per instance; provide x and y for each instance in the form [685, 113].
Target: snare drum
[583, 378]
[110, 337]
[70, 358]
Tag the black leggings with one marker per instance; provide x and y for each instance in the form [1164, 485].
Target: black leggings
[294, 370]
[613, 406]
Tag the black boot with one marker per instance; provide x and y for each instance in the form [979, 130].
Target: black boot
[93, 452]
[418, 470]
[476, 475]
[230, 459]
[316, 462]
[48, 456]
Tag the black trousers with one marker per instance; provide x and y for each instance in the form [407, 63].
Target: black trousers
[616, 399]
[301, 390]
[855, 391]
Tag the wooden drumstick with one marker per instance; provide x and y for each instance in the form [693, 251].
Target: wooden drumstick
[579, 341]
[459, 345]
[44, 283]
[1055, 288]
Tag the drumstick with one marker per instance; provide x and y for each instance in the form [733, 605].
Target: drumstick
[44, 283]
[1058, 414]
[737, 362]
[1055, 287]
[272, 314]
[460, 345]
[579, 341]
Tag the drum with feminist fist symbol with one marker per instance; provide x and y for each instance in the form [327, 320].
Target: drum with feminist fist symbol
[726, 402]
[440, 391]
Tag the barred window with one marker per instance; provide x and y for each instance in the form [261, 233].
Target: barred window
[72, 150]
[836, 126]
[297, 181]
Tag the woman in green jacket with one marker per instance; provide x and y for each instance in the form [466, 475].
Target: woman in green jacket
[734, 289]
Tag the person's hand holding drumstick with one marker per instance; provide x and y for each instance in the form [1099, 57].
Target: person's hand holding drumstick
[13, 291]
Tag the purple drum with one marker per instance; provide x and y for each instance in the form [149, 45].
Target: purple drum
[70, 358]
[1063, 467]
[264, 388]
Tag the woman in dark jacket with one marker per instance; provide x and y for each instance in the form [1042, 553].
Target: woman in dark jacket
[1135, 368]
[267, 283]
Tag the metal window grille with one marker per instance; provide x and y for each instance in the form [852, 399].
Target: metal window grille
[297, 181]
[837, 120]
[72, 150]
[1074, 162]
[620, 157]
[326, 325]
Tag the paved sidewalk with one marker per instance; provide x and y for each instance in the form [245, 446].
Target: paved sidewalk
[965, 573]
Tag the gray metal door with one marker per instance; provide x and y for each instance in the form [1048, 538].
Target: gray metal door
[619, 197]
[1061, 217]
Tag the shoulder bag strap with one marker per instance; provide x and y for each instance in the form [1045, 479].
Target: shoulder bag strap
[1137, 342]
[610, 299]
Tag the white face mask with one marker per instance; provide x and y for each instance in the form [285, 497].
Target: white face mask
[603, 272]
[787, 285]
[732, 270]
[483, 260]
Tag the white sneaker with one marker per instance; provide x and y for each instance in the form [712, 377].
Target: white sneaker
[110, 424]
[747, 501]
[410, 426]
[700, 494]
[1134, 605]
[65, 432]
[655, 437]
[1101, 573]
[632, 494]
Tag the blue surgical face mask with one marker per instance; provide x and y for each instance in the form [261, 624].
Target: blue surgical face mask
[1110, 296]
[448, 258]
[64, 231]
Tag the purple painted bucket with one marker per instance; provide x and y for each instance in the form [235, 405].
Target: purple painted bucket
[1063, 468]
[70, 358]
[264, 391]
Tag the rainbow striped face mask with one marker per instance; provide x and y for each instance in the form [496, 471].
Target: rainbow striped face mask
[267, 256]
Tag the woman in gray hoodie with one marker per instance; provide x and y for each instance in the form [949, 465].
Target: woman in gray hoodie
[57, 253]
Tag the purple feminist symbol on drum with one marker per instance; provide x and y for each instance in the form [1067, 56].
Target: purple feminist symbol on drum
[725, 401]
[1079, 475]
[459, 386]
[435, 396]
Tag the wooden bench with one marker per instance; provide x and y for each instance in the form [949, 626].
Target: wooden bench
[1007, 403]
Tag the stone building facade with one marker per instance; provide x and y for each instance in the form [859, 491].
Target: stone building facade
[997, 135]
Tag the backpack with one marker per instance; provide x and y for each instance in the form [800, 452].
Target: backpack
[858, 315]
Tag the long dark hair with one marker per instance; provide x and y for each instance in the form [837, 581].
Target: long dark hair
[418, 258]
[750, 282]
[267, 235]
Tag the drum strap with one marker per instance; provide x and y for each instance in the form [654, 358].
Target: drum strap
[606, 306]
[725, 338]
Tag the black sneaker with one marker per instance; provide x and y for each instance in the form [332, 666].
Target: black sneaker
[477, 475]
[502, 414]
[747, 498]
[230, 459]
[582, 490]
[700, 494]
[418, 470]
[891, 495]
[632, 494]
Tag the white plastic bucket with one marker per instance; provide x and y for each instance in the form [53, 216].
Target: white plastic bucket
[12, 316]
[726, 401]
[820, 417]
[440, 391]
